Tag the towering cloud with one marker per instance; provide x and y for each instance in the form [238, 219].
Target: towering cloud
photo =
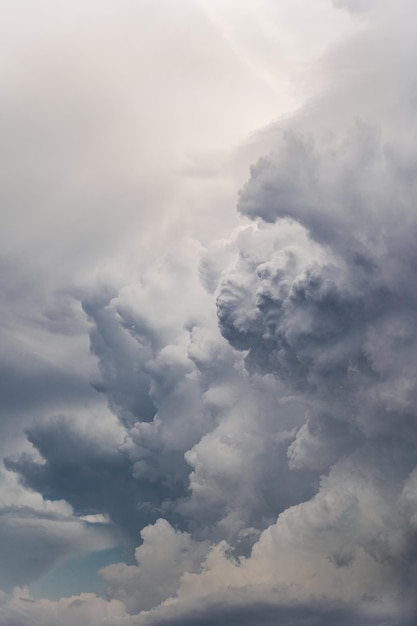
[259, 447]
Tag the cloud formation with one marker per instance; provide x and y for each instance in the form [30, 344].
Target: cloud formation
[260, 452]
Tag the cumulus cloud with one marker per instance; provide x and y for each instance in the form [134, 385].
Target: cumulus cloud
[116, 138]
[261, 443]
[162, 559]
[316, 378]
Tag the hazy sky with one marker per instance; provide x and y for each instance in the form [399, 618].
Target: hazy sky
[208, 268]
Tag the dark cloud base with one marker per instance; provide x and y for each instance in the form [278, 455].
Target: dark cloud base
[272, 615]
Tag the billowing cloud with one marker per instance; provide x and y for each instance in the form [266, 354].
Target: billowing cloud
[162, 559]
[312, 386]
[116, 137]
[254, 431]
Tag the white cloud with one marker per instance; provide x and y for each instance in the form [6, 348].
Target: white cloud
[162, 559]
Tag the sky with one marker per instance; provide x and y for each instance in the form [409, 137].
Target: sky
[208, 340]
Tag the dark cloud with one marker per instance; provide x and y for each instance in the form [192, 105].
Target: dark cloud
[120, 357]
[44, 384]
[322, 296]
[288, 446]
[270, 615]
[262, 453]
[89, 472]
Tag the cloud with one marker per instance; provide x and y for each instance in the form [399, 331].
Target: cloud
[182, 396]
[163, 557]
[87, 470]
[21, 610]
[269, 614]
[322, 297]
[37, 534]
[261, 447]
[96, 166]
[355, 5]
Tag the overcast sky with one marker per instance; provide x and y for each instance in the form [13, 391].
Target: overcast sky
[208, 349]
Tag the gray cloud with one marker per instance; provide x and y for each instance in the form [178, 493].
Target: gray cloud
[94, 167]
[37, 535]
[266, 614]
[271, 466]
[322, 297]
[289, 448]
[88, 471]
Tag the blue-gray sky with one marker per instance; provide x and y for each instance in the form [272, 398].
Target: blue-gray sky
[209, 314]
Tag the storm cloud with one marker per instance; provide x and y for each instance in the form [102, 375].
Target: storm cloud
[244, 423]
